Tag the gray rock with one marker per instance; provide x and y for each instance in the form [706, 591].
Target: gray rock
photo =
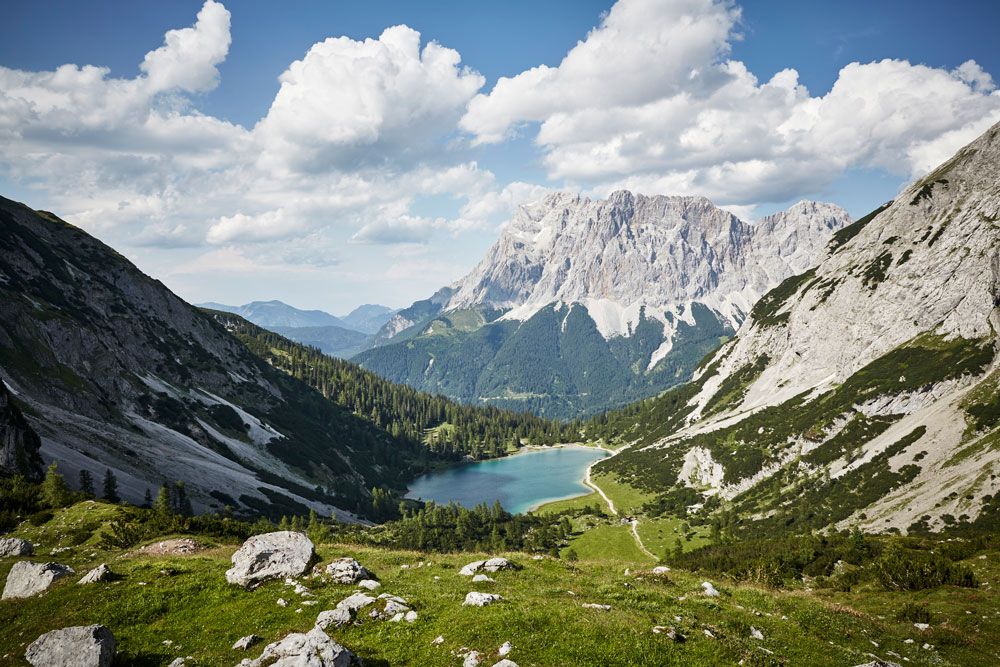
[879, 663]
[369, 584]
[594, 605]
[482, 578]
[472, 659]
[505, 663]
[505, 649]
[26, 578]
[304, 649]
[709, 589]
[355, 602]
[756, 634]
[475, 599]
[243, 643]
[80, 646]
[100, 573]
[348, 571]
[15, 546]
[176, 662]
[472, 568]
[497, 564]
[271, 556]
[335, 617]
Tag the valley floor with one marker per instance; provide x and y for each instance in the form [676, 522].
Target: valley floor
[170, 606]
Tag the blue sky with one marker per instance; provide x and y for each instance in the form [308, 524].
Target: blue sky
[368, 196]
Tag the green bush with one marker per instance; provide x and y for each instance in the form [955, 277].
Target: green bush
[899, 569]
[915, 613]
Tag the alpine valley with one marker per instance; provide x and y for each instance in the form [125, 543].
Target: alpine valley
[802, 416]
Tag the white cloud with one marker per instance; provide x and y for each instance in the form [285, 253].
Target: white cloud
[188, 58]
[650, 102]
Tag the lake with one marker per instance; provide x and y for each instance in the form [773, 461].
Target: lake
[520, 482]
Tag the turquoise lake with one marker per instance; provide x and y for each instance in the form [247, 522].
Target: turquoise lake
[519, 482]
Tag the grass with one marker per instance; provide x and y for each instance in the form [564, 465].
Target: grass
[627, 498]
[187, 602]
[580, 502]
[660, 535]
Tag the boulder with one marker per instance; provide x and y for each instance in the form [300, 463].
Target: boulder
[347, 571]
[505, 649]
[271, 556]
[475, 599]
[80, 646]
[369, 584]
[26, 578]
[497, 564]
[661, 569]
[472, 568]
[100, 573]
[243, 643]
[15, 546]
[304, 649]
[335, 617]
[482, 578]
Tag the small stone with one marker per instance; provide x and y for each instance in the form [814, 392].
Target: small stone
[505, 649]
[369, 584]
[661, 569]
[921, 626]
[335, 617]
[347, 571]
[475, 599]
[505, 663]
[482, 578]
[472, 659]
[282, 602]
[243, 643]
[79, 646]
[756, 634]
[594, 605]
[437, 641]
[708, 633]
[709, 589]
[100, 573]
[411, 616]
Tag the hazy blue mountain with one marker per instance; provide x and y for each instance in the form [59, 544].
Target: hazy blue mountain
[332, 340]
[270, 314]
[368, 318]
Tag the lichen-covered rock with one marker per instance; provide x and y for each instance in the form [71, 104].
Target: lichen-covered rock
[15, 546]
[335, 617]
[26, 578]
[80, 646]
[355, 602]
[348, 571]
[100, 573]
[476, 599]
[304, 649]
[271, 556]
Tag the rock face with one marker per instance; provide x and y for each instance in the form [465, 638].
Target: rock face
[874, 369]
[347, 571]
[309, 649]
[15, 546]
[81, 646]
[19, 444]
[100, 573]
[26, 579]
[271, 556]
[639, 286]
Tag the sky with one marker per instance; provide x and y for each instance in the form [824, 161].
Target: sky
[329, 154]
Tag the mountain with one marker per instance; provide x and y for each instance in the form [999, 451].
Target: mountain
[270, 314]
[19, 444]
[585, 304]
[368, 318]
[862, 392]
[335, 341]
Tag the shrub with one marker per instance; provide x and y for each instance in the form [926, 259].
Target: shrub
[915, 613]
[904, 570]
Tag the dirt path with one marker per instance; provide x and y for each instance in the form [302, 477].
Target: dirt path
[634, 523]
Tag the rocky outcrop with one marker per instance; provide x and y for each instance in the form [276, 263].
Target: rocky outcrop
[347, 571]
[19, 444]
[15, 546]
[304, 649]
[80, 646]
[271, 556]
[26, 578]
[243, 643]
[334, 617]
[491, 565]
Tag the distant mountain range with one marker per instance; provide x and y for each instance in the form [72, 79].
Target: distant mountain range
[343, 336]
[582, 305]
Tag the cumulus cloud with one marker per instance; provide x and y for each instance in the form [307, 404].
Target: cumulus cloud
[649, 100]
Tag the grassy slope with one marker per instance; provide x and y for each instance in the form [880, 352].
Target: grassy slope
[185, 600]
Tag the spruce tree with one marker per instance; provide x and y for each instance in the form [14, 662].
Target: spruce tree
[163, 505]
[87, 482]
[147, 499]
[111, 487]
[55, 493]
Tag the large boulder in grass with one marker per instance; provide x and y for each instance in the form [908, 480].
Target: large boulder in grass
[15, 546]
[80, 646]
[304, 649]
[26, 578]
[271, 556]
[491, 565]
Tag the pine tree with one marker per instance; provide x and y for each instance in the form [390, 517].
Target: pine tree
[55, 493]
[111, 487]
[182, 504]
[147, 499]
[163, 505]
[86, 482]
